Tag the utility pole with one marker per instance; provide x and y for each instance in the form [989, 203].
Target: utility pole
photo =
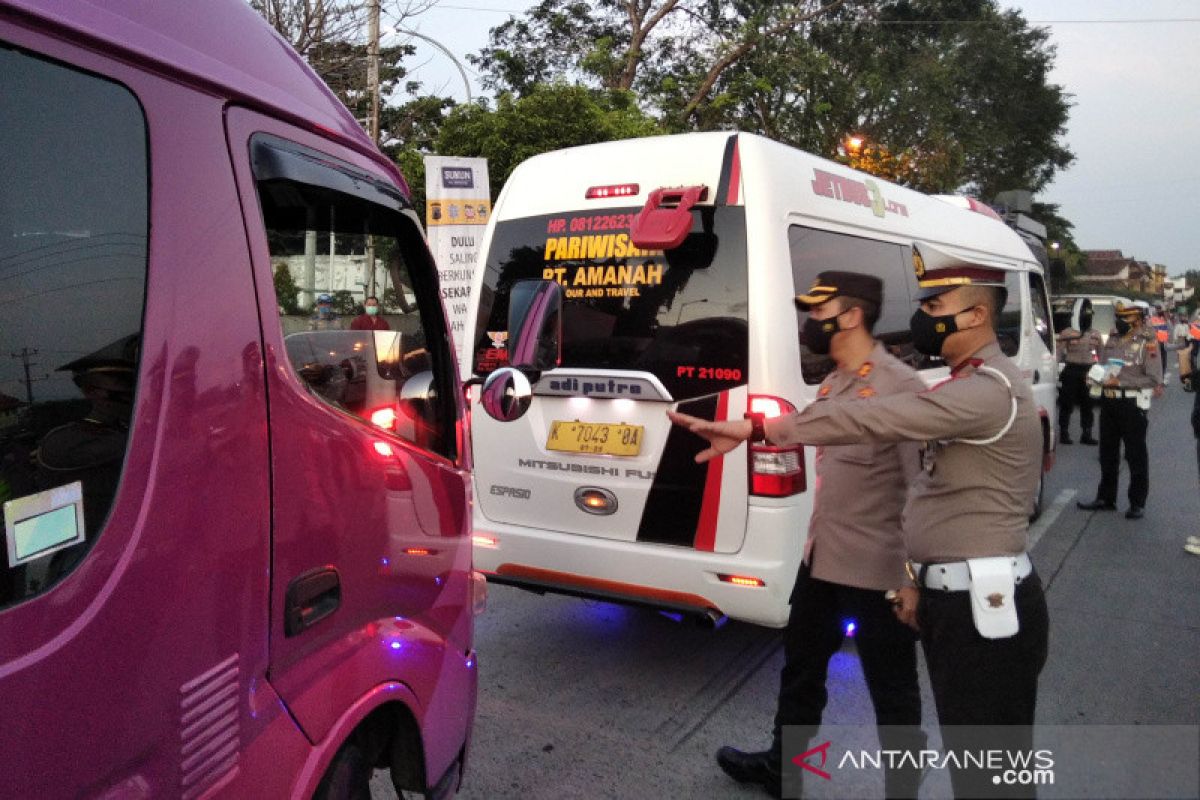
[26, 363]
[373, 68]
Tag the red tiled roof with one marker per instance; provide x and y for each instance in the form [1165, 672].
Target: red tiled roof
[1103, 255]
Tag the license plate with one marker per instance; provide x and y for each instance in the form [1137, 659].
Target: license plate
[597, 438]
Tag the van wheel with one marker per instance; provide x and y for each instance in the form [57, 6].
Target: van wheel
[348, 777]
[1037, 502]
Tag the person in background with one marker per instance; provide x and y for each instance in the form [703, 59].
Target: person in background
[370, 320]
[1189, 376]
[1079, 349]
[1135, 373]
[324, 318]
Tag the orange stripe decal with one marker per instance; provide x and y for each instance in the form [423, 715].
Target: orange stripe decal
[735, 178]
[706, 528]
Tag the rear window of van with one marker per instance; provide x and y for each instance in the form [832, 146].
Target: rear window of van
[679, 315]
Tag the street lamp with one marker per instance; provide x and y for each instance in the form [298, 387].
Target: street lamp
[682, 306]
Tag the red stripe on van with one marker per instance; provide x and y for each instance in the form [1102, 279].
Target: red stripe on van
[706, 528]
[735, 177]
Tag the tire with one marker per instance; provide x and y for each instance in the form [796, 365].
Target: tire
[348, 777]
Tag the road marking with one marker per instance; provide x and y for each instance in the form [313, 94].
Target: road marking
[1050, 515]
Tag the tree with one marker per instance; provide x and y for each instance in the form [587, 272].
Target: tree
[614, 44]
[330, 36]
[548, 117]
[286, 290]
[949, 94]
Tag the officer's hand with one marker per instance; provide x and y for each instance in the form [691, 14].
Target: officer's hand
[1112, 383]
[1159, 390]
[722, 436]
[904, 604]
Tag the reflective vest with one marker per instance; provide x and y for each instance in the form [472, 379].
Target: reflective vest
[1161, 329]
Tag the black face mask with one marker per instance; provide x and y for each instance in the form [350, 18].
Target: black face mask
[1085, 322]
[1123, 327]
[929, 333]
[818, 334]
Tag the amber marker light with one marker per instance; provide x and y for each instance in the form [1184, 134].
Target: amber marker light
[742, 580]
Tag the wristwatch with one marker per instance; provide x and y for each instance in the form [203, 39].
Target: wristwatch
[757, 432]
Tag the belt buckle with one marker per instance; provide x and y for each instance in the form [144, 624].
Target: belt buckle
[911, 572]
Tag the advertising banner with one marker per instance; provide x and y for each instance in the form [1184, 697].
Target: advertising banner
[457, 207]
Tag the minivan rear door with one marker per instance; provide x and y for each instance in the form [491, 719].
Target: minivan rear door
[642, 330]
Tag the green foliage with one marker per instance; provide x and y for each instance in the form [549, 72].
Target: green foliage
[548, 117]
[344, 303]
[286, 290]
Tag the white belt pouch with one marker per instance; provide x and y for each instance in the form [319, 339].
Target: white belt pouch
[993, 597]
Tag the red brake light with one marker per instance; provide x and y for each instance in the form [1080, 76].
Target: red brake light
[614, 190]
[775, 471]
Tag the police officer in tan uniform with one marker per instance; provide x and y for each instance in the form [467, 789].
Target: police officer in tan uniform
[979, 604]
[854, 552]
[1080, 350]
[1124, 405]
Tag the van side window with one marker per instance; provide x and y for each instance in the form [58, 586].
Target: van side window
[73, 250]
[1041, 310]
[815, 251]
[1008, 327]
[330, 251]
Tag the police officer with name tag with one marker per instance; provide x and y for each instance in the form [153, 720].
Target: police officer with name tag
[1129, 375]
[854, 552]
[977, 603]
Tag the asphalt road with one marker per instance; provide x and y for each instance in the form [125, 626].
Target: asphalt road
[582, 699]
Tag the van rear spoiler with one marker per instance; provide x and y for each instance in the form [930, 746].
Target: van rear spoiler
[664, 222]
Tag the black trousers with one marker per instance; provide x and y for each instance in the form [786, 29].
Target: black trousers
[888, 652]
[988, 683]
[1074, 393]
[1123, 423]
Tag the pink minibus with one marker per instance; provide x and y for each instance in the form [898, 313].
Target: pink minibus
[236, 556]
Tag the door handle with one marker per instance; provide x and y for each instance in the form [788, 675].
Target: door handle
[310, 598]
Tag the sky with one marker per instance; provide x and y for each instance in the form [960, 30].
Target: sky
[1132, 71]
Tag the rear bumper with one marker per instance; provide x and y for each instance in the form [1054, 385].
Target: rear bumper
[655, 575]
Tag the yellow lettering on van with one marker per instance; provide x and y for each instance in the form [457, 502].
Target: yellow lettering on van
[573, 247]
[653, 273]
[598, 247]
[621, 245]
[555, 246]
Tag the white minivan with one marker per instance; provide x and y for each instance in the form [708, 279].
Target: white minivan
[677, 259]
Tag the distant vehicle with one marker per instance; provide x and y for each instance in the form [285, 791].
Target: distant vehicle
[678, 259]
[236, 562]
[1104, 317]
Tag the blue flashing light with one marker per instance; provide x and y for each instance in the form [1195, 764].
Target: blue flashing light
[395, 645]
[851, 627]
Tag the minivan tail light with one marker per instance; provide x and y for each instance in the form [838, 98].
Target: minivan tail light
[384, 418]
[775, 471]
[615, 190]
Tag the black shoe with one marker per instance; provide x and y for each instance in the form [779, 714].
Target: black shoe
[1064, 439]
[757, 768]
[1135, 512]
[1096, 505]
[1087, 438]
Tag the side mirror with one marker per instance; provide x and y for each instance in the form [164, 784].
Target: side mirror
[535, 325]
[506, 394]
